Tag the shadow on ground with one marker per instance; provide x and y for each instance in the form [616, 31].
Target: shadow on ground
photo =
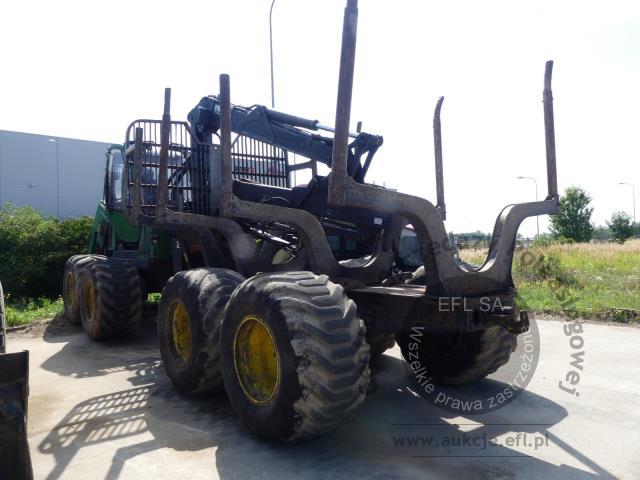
[367, 446]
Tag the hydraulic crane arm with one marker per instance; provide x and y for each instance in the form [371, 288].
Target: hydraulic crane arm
[284, 131]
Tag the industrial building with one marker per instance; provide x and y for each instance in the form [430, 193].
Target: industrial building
[58, 176]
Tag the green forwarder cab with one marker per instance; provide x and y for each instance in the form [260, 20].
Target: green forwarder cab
[113, 235]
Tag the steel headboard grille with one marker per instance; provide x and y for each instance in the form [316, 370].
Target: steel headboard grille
[259, 162]
[188, 169]
[188, 172]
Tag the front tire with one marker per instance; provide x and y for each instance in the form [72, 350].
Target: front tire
[74, 273]
[293, 355]
[189, 317]
[111, 299]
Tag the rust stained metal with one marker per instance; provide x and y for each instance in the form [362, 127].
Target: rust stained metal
[437, 145]
[165, 139]
[225, 145]
[338, 176]
[445, 274]
[550, 132]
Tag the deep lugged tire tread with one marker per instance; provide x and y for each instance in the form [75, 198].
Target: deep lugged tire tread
[497, 346]
[213, 287]
[334, 358]
[78, 266]
[119, 298]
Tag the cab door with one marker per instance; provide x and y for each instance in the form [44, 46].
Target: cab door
[112, 230]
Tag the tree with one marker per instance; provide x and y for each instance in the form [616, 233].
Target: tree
[573, 220]
[621, 227]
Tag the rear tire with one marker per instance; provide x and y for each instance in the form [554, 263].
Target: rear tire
[459, 357]
[189, 317]
[380, 342]
[111, 299]
[294, 361]
[74, 273]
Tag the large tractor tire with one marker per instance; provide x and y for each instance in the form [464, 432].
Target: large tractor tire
[111, 299]
[294, 360]
[459, 357]
[189, 318]
[74, 272]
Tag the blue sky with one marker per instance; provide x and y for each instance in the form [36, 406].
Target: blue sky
[85, 70]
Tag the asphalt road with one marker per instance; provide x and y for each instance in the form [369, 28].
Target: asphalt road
[108, 411]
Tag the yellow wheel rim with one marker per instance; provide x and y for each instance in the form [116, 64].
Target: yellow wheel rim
[181, 327]
[69, 286]
[89, 301]
[256, 360]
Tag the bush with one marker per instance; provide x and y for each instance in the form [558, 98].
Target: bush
[545, 267]
[546, 240]
[34, 249]
[621, 227]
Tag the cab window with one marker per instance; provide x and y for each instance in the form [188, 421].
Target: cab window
[116, 170]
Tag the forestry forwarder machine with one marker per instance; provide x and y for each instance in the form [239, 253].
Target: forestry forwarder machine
[260, 280]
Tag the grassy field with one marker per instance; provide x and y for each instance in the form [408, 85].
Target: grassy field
[586, 280]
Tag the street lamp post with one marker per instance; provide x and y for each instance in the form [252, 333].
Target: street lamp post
[273, 98]
[273, 95]
[537, 217]
[633, 194]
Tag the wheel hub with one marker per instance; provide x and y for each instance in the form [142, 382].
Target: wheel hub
[256, 360]
[89, 301]
[181, 327]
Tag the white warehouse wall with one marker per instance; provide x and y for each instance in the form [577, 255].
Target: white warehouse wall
[60, 177]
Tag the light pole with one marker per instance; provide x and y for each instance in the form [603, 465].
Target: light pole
[633, 194]
[537, 217]
[273, 98]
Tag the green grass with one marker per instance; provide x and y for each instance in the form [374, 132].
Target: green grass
[586, 280]
[23, 312]
[153, 299]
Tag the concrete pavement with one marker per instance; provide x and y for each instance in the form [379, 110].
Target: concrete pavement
[108, 411]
